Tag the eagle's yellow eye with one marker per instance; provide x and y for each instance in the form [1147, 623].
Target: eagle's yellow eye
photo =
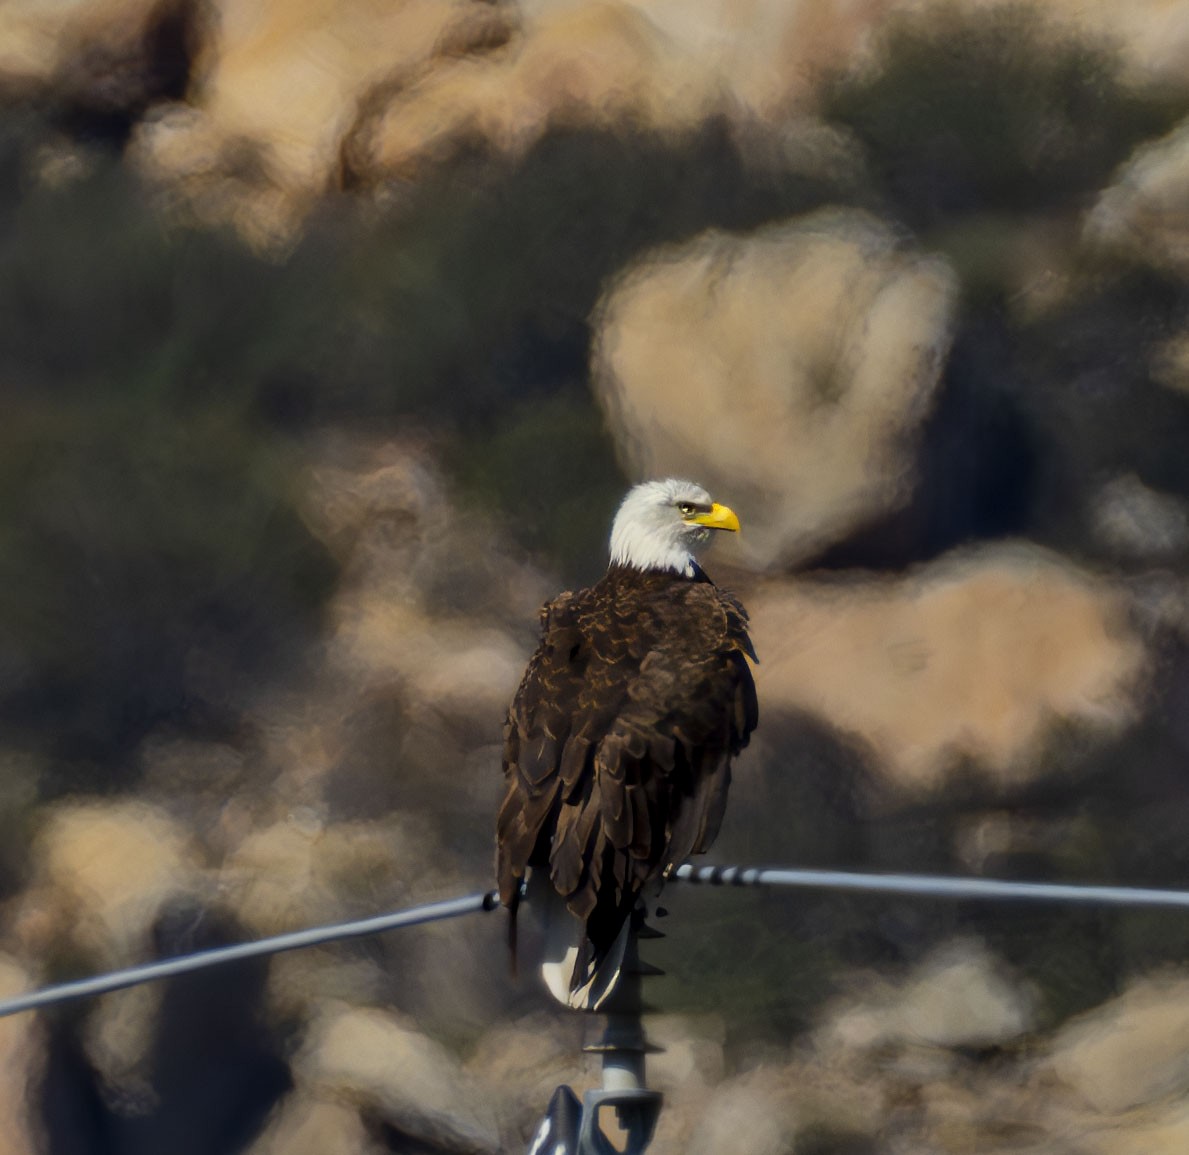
[686, 508]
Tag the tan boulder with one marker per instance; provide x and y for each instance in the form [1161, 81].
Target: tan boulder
[1170, 363]
[754, 1112]
[281, 87]
[451, 666]
[21, 1061]
[300, 871]
[1145, 211]
[959, 996]
[422, 588]
[91, 47]
[790, 369]
[767, 55]
[667, 66]
[101, 872]
[1137, 521]
[304, 1125]
[1130, 1051]
[1158, 1132]
[975, 658]
[598, 63]
[385, 512]
[370, 1058]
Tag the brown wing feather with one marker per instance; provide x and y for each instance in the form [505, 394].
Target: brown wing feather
[618, 742]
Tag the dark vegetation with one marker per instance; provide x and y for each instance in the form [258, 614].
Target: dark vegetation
[992, 111]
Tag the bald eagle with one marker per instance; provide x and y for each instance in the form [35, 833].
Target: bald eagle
[618, 743]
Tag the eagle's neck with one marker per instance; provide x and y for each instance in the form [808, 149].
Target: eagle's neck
[647, 552]
[693, 572]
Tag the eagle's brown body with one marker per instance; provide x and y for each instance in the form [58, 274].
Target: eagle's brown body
[618, 743]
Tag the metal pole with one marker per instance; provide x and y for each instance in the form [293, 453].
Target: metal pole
[580, 1128]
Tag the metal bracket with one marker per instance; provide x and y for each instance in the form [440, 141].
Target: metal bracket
[571, 1127]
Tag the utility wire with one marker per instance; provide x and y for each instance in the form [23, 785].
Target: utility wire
[915, 885]
[315, 936]
[932, 886]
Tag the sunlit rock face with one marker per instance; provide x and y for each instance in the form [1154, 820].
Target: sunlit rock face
[249, 112]
[108, 54]
[400, 1076]
[1151, 36]
[22, 1059]
[422, 585]
[1130, 1051]
[978, 660]
[768, 54]
[260, 140]
[1136, 521]
[959, 996]
[304, 1124]
[596, 64]
[1144, 214]
[791, 368]
[101, 874]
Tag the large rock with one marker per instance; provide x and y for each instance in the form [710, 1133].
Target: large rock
[1130, 1051]
[753, 1112]
[1145, 212]
[300, 871]
[790, 369]
[423, 587]
[110, 56]
[303, 1125]
[768, 54]
[250, 111]
[1151, 36]
[293, 99]
[370, 1058]
[282, 84]
[1170, 363]
[597, 63]
[960, 996]
[101, 873]
[1139, 522]
[21, 1061]
[973, 659]
[1164, 1132]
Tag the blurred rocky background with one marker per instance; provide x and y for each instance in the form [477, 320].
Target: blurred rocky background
[330, 334]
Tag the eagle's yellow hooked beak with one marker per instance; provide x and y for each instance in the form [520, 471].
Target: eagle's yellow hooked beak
[719, 517]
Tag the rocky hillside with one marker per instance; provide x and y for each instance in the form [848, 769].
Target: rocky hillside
[330, 335]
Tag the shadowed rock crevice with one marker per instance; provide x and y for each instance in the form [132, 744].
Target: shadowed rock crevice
[980, 468]
[208, 1078]
[105, 88]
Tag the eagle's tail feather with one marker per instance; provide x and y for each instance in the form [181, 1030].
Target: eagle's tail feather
[574, 976]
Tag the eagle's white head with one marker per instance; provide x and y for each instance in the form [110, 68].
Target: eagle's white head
[661, 523]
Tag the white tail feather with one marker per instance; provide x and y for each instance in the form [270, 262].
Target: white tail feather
[562, 940]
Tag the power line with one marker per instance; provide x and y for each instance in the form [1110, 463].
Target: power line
[909, 885]
[183, 964]
[932, 886]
